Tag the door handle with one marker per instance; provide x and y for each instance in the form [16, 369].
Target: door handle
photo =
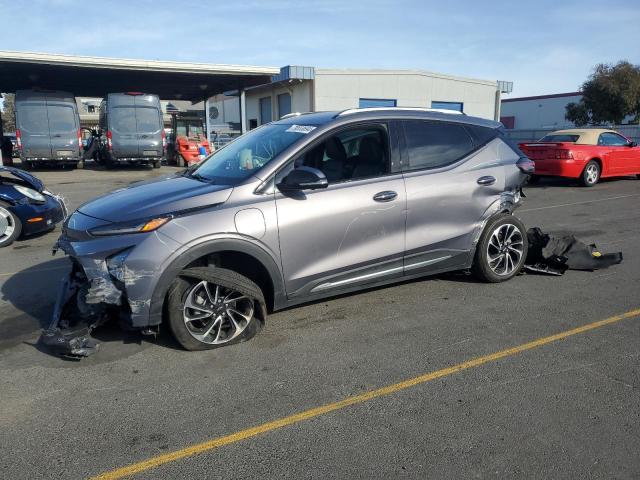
[486, 181]
[385, 196]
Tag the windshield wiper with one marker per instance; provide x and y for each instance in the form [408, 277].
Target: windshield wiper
[197, 176]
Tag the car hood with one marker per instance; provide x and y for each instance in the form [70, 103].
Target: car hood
[154, 198]
[32, 181]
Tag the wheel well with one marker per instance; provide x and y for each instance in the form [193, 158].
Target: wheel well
[244, 264]
[598, 161]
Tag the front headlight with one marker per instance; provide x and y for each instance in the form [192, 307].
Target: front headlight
[139, 226]
[32, 194]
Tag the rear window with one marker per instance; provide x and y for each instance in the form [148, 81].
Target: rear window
[33, 119]
[148, 119]
[123, 119]
[61, 119]
[570, 138]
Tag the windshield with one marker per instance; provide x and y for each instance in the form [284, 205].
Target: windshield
[249, 153]
[189, 129]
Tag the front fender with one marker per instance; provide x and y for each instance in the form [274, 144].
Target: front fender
[207, 247]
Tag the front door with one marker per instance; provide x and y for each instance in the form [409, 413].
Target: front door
[351, 233]
[619, 157]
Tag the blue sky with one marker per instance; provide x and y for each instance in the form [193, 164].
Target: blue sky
[543, 46]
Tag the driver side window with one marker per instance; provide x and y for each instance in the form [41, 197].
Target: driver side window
[612, 140]
[351, 154]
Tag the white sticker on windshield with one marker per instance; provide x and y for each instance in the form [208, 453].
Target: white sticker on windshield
[301, 129]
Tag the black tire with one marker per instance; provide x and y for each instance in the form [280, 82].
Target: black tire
[591, 174]
[533, 179]
[481, 265]
[188, 280]
[11, 218]
[157, 164]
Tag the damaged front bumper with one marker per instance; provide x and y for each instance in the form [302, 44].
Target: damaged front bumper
[111, 278]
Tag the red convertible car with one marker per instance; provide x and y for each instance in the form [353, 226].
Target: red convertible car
[586, 154]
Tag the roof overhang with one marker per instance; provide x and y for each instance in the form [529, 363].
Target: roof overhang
[96, 76]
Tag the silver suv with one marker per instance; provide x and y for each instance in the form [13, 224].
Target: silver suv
[303, 208]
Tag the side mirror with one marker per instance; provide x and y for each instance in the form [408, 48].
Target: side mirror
[303, 178]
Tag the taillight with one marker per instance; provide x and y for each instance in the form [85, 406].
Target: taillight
[80, 139]
[563, 155]
[164, 140]
[109, 142]
[526, 165]
[18, 139]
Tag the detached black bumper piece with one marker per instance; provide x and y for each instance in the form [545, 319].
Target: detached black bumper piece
[69, 333]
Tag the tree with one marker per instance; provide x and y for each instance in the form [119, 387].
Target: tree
[8, 113]
[611, 93]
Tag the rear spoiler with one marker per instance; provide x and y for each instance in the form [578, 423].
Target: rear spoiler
[545, 144]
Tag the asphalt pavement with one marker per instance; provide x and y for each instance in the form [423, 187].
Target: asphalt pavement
[567, 408]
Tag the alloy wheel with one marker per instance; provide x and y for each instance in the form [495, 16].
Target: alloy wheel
[592, 173]
[7, 225]
[214, 314]
[505, 249]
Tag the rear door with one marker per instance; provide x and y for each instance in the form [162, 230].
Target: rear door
[122, 125]
[148, 127]
[63, 129]
[34, 129]
[452, 177]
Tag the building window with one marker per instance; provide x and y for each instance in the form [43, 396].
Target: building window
[284, 104]
[457, 106]
[509, 122]
[265, 110]
[377, 102]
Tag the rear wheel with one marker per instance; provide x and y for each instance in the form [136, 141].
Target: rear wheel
[590, 174]
[501, 250]
[211, 307]
[10, 225]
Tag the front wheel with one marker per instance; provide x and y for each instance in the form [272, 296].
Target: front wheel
[10, 226]
[209, 307]
[590, 174]
[501, 250]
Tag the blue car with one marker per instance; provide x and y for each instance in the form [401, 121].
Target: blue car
[26, 208]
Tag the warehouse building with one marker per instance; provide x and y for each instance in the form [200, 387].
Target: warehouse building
[236, 98]
[305, 89]
[539, 112]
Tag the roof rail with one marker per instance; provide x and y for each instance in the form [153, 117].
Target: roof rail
[351, 111]
[293, 114]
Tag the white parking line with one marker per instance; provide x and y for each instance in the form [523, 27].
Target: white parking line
[580, 203]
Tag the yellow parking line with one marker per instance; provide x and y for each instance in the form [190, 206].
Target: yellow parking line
[356, 399]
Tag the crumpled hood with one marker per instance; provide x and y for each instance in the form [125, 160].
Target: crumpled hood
[33, 182]
[154, 198]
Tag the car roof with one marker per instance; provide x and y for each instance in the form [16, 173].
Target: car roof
[378, 113]
[588, 136]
